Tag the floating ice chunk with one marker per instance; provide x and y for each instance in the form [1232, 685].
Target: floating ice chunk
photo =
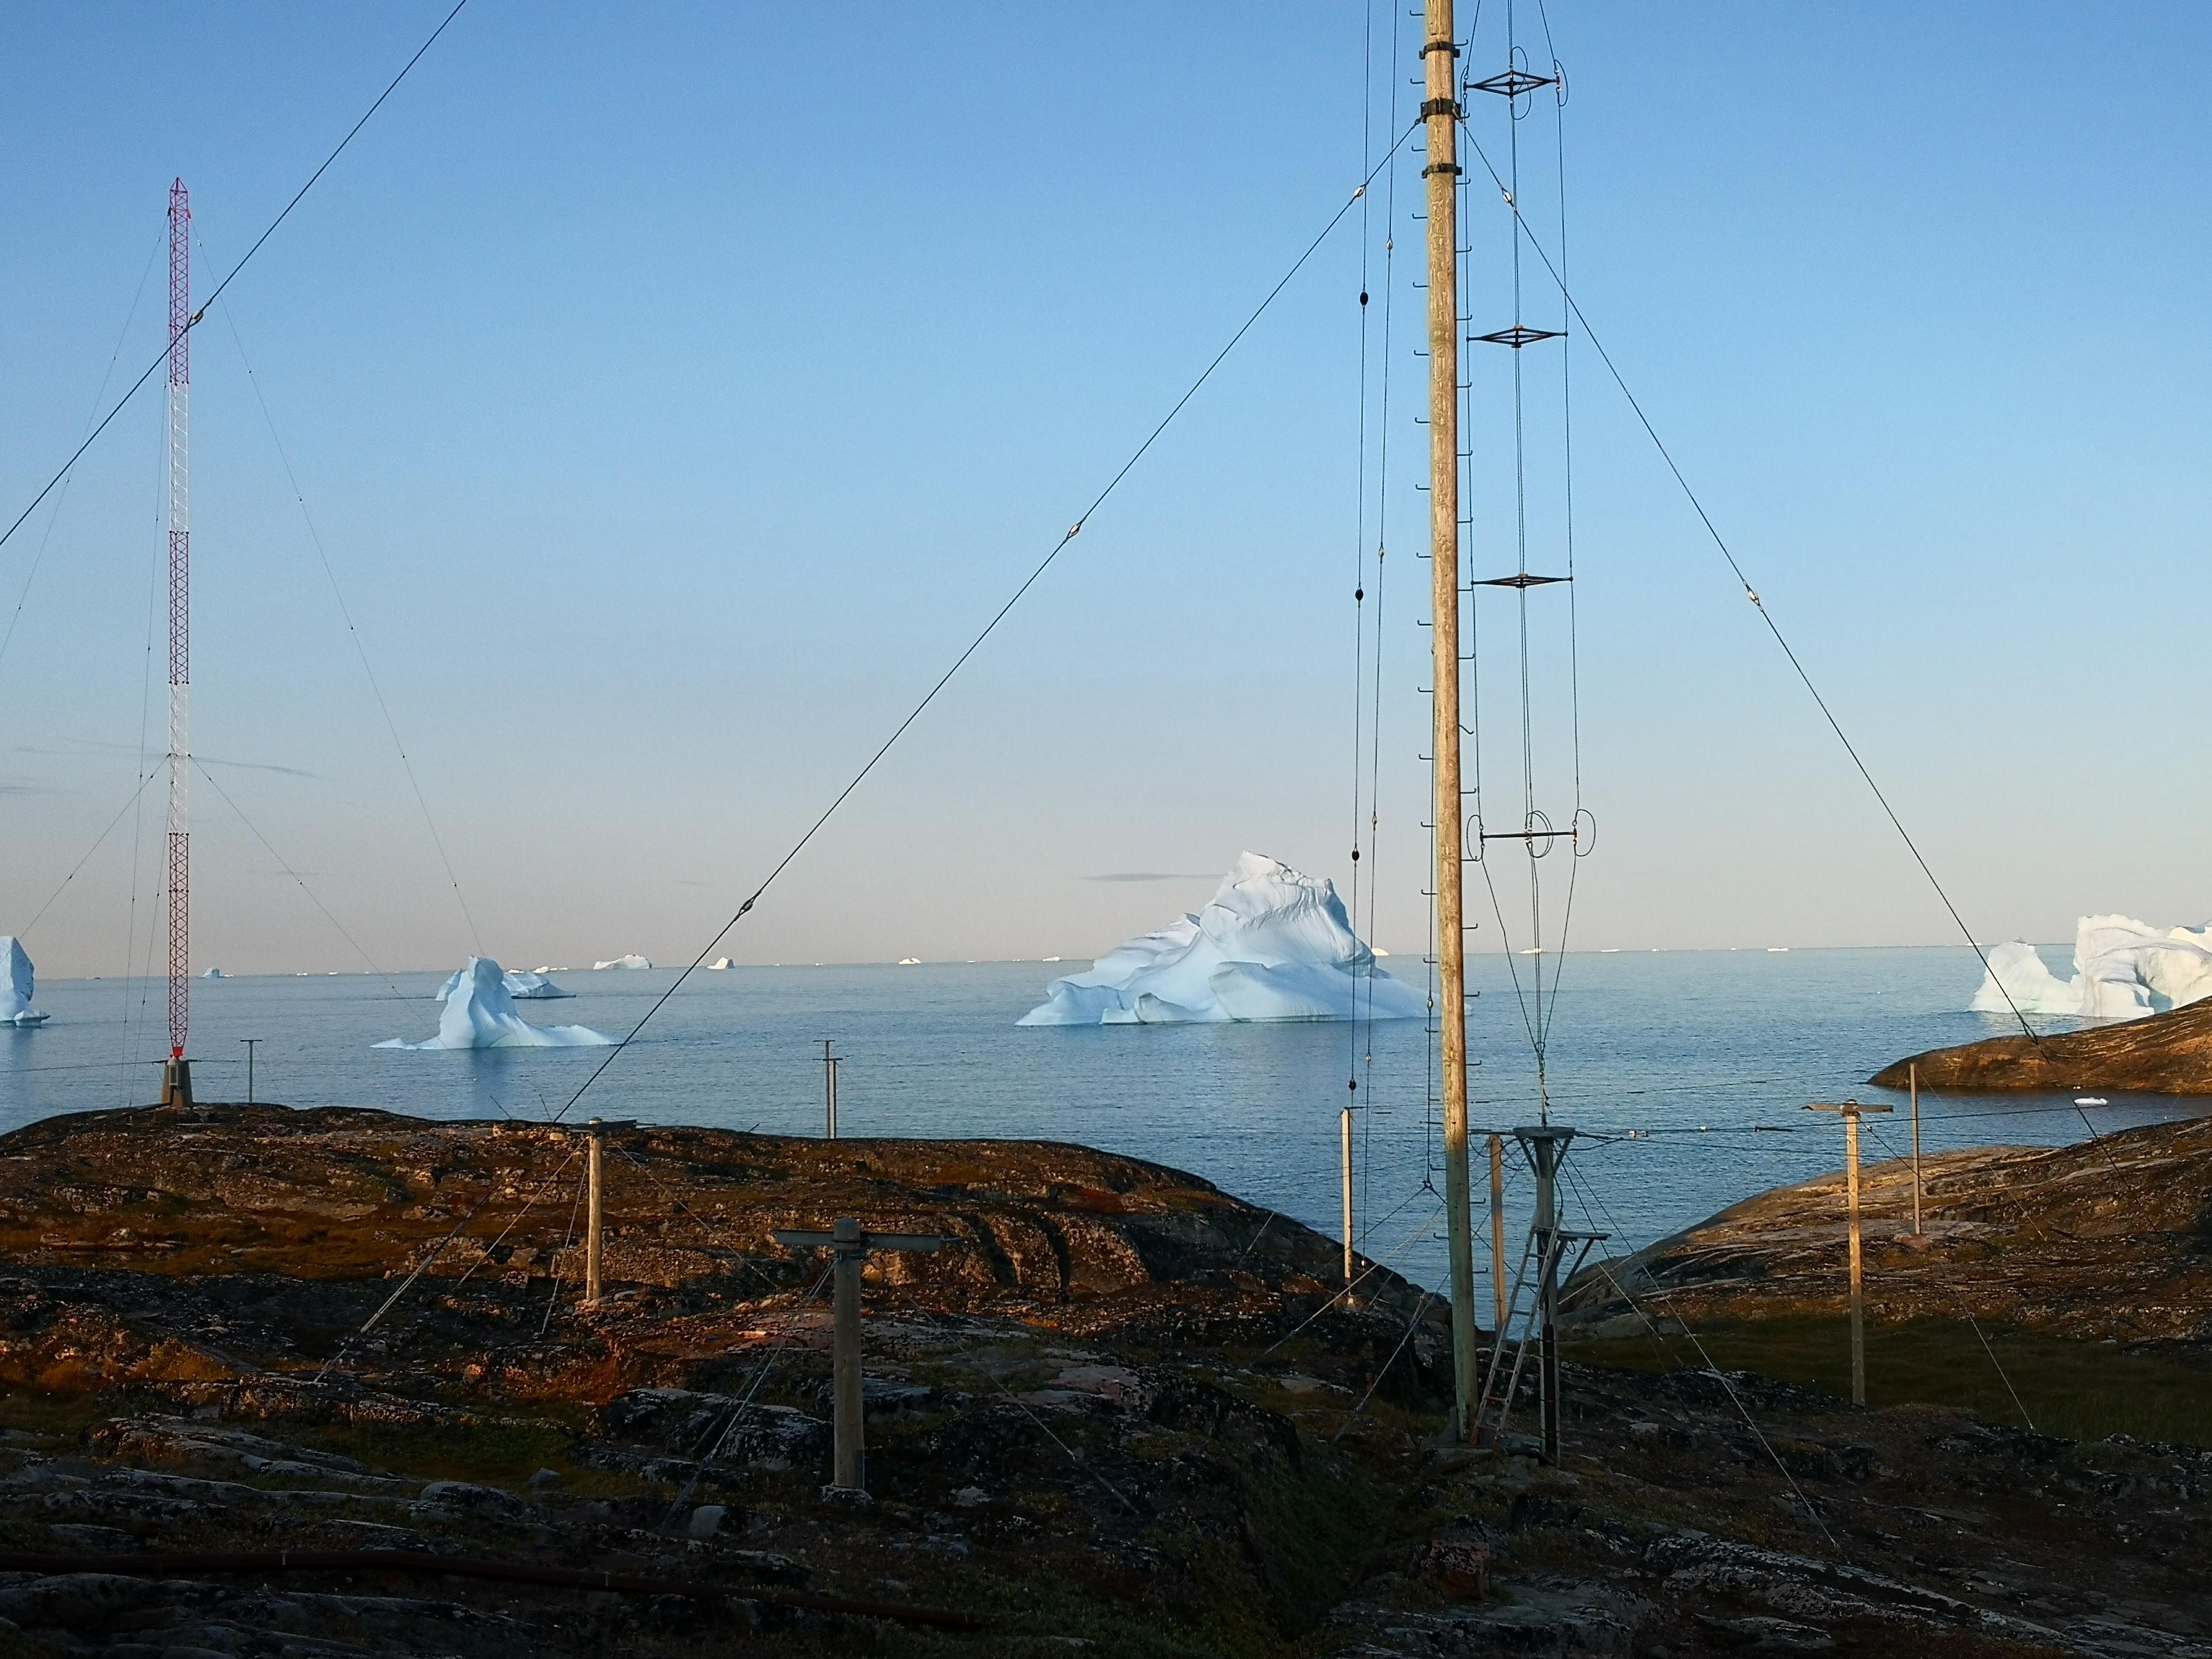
[717, 965]
[214, 973]
[2123, 970]
[630, 961]
[1272, 945]
[18, 981]
[532, 987]
[480, 1014]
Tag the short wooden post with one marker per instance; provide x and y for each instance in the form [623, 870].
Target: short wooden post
[1912, 1077]
[592, 1214]
[1498, 1287]
[1849, 1110]
[829, 1091]
[850, 1244]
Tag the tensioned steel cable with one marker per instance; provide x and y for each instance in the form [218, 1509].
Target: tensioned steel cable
[1605, 1266]
[990, 627]
[23, 594]
[92, 436]
[298, 880]
[345, 613]
[1750, 593]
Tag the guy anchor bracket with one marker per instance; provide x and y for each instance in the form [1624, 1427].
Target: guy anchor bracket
[849, 1243]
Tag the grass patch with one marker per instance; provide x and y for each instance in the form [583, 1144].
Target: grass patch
[499, 1454]
[2076, 1390]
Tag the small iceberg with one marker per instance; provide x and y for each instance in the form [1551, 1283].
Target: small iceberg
[630, 961]
[214, 973]
[2123, 970]
[480, 1014]
[1272, 945]
[909, 962]
[720, 964]
[18, 982]
[532, 987]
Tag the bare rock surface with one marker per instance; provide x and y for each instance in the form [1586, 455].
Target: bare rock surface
[2109, 1239]
[1122, 1415]
[2167, 1053]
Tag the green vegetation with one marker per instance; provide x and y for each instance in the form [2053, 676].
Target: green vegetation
[2074, 1390]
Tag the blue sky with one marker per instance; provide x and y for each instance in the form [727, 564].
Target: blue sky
[675, 390]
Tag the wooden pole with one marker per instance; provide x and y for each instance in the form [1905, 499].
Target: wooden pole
[1858, 1297]
[1913, 1076]
[1440, 110]
[1499, 1291]
[1347, 1196]
[592, 1214]
[1850, 1111]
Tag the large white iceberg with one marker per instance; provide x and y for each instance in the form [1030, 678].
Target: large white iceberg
[2123, 970]
[17, 981]
[633, 960]
[480, 1014]
[1271, 944]
[523, 987]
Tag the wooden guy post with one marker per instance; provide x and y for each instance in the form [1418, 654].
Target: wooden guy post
[1849, 1110]
[1912, 1077]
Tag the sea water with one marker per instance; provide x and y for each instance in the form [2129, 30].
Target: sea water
[1688, 1072]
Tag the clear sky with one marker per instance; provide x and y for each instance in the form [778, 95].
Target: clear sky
[676, 389]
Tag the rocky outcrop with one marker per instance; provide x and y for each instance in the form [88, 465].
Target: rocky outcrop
[2111, 1239]
[1120, 1415]
[2168, 1054]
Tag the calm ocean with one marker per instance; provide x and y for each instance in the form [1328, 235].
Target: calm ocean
[1695, 1065]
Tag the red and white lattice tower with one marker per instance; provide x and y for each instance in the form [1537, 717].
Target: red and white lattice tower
[176, 1084]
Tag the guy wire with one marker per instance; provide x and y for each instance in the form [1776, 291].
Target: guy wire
[1574, 308]
[988, 628]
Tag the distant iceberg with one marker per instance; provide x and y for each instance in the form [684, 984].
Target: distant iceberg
[480, 1014]
[523, 987]
[17, 984]
[1272, 945]
[717, 965]
[2123, 970]
[631, 961]
[214, 973]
